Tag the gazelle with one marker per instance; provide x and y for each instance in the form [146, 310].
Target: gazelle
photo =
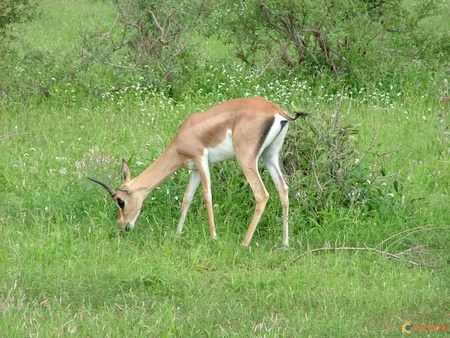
[246, 128]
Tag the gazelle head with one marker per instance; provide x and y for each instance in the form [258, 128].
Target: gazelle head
[128, 201]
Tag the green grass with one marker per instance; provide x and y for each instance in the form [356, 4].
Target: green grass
[64, 271]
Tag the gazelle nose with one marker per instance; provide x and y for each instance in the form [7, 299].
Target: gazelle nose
[129, 226]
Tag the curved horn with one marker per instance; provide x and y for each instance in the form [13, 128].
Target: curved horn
[111, 191]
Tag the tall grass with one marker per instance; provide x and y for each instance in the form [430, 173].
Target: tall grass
[64, 271]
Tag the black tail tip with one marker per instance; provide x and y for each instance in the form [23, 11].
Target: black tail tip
[300, 114]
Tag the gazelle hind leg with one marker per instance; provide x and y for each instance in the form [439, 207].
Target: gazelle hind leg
[270, 156]
[261, 196]
[194, 181]
[283, 191]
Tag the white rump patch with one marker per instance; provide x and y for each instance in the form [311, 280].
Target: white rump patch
[276, 134]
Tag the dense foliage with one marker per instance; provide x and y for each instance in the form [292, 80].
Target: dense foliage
[15, 12]
[356, 40]
[164, 45]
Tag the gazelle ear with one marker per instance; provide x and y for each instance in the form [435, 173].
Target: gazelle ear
[125, 171]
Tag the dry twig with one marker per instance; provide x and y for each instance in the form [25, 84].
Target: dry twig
[399, 237]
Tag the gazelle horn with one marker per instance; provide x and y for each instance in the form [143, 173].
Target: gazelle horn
[111, 191]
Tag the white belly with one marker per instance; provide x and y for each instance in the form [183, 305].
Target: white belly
[223, 151]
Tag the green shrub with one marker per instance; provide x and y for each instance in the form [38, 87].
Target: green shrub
[327, 173]
[14, 12]
[356, 41]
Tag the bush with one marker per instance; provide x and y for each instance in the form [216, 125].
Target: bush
[327, 173]
[157, 41]
[15, 11]
[357, 41]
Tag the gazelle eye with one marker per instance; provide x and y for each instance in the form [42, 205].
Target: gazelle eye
[121, 203]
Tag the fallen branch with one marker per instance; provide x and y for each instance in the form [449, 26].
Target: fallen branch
[385, 252]
[408, 232]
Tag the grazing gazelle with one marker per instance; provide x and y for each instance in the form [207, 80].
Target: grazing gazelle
[246, 128]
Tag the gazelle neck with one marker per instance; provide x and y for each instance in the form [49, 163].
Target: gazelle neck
[164, 166]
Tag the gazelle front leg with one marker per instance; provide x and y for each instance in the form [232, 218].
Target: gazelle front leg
[194, 180]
